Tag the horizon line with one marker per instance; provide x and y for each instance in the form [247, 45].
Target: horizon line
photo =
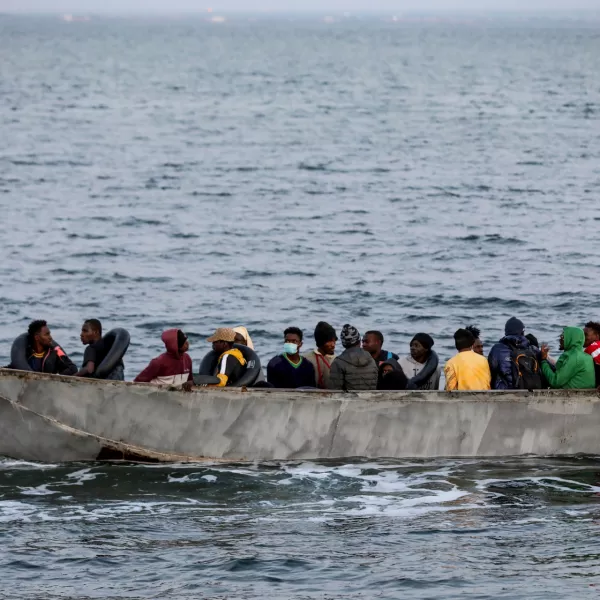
[303, 11]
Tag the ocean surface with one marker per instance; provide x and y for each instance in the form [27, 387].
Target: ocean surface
[399, 176]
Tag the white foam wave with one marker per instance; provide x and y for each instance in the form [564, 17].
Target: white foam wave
[7, 463]
[40, 490]
[556, 483]
[80, 477]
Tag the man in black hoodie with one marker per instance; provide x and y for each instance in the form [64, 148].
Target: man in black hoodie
[354, 369]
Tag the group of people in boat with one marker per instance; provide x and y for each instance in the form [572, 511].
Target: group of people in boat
[516, 361]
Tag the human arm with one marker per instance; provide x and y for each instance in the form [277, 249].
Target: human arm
[500, 367]
[187, 386]
[310, 375]
[451, 379]
[149, 373]
[336, 376]
[565, 370]
[64, 364]
[87, 370]
[89, 362]
[225, 369]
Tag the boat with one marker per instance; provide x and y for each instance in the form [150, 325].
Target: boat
[52, 418]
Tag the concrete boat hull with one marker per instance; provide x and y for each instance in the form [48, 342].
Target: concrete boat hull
[53, 418]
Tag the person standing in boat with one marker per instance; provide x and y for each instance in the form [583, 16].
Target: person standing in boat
[354, 369]
[468, 370]
[574, 369]
[421, 365]
[96, 351]
[290, 370]
[173, 367]
[231, 363]
[514, 361]
[43, 355]
[324, 354]
[372, 342]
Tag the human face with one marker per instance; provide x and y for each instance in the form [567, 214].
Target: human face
[44, 337]
[386, 369]
[371, 344]
[185, 347]
[418, 351]
[220, 346]
[87, 334]
[478, 347]
[590, 336]
[561, 345]
[240, 339]
[293, 338]
[328, 347]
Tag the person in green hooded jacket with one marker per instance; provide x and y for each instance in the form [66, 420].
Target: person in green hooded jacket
[575, 368]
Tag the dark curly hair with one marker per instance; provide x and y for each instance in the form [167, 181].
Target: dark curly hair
[594, 326]
[476, 332]
[35, 327]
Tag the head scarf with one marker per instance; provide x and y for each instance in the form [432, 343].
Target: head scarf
[244, 333]
[350, 336]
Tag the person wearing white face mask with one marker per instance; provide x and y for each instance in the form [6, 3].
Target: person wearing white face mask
[290, 370]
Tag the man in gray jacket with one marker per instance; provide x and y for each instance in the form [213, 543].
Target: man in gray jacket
[354, 369]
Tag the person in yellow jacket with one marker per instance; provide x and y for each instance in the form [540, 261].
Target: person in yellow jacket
[467, 370]
[231, 364]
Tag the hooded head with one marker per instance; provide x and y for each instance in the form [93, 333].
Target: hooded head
[514, 326]
[532, 340]
[243, 337]
[574, 338]
[175, 341]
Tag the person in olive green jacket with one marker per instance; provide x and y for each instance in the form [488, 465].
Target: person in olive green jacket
[575, 368]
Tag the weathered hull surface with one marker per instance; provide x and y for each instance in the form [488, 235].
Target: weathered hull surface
[51, 418]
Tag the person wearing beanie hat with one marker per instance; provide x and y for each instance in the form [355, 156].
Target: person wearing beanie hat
[421, 365]
[173, 367]
[324, 354]
[514, 358]
[514, 326]
[354, 369]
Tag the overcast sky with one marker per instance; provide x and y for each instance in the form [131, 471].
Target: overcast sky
[395, 6]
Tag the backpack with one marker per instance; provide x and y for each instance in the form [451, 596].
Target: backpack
[527, 374]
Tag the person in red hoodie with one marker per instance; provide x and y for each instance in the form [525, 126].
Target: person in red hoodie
[592, 346]
[174, 367]
[592, 340]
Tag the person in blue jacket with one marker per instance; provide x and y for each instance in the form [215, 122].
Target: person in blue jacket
[502, 365]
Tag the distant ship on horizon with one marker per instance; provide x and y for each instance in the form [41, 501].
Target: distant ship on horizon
[68, 18]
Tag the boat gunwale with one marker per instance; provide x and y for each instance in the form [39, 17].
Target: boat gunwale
[339, 395]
